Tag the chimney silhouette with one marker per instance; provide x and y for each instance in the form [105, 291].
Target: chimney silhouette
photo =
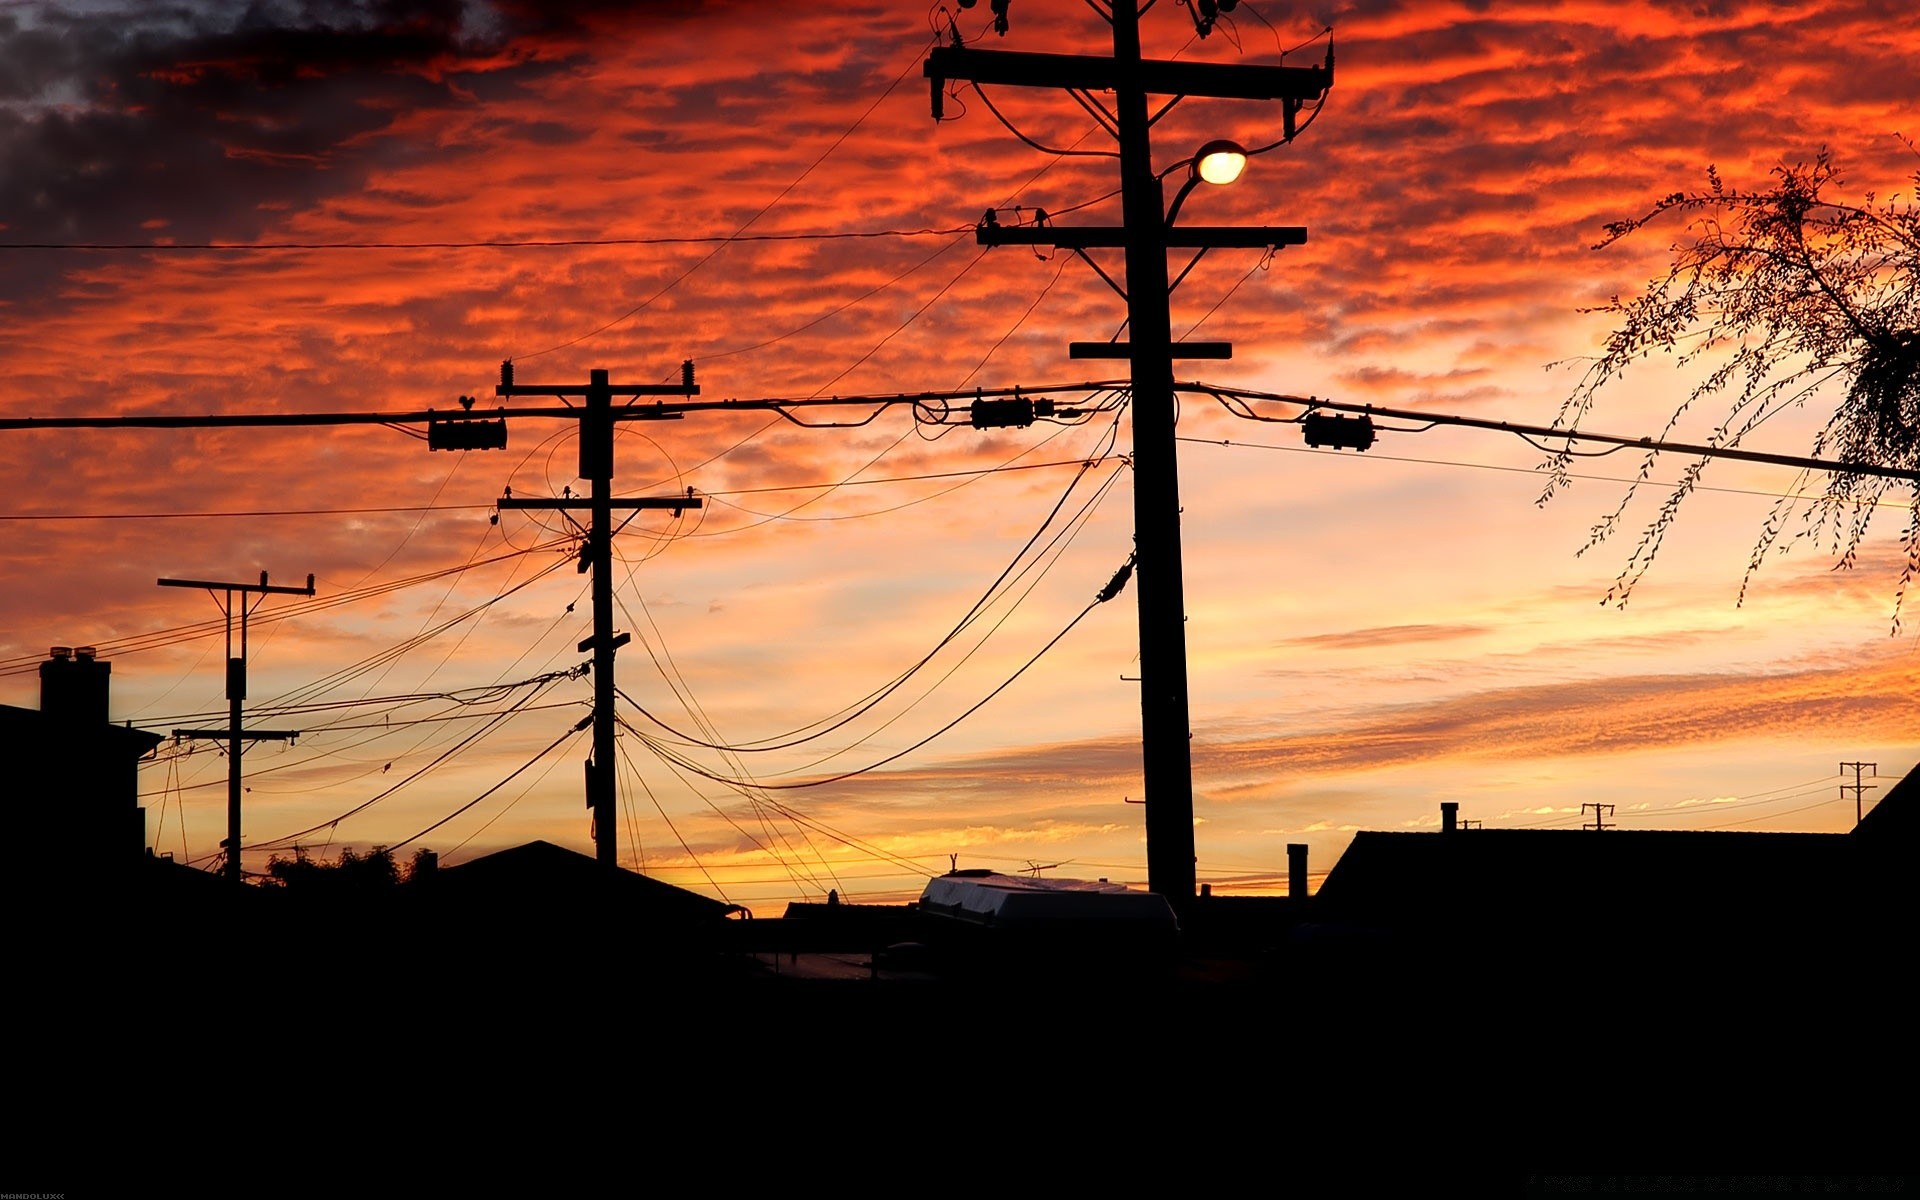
[82, 775]
[73, 687]
[1297, 870]
[1449, 815]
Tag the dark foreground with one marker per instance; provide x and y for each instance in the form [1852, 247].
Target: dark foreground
[342, 1051]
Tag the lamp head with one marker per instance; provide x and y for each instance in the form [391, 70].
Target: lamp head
[1219, 161]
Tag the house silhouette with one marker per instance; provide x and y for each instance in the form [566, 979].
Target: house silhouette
[72, 784]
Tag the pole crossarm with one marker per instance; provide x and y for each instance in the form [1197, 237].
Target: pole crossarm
[577, 389]
[263, 587]
[252, 735]
[1125, 349]
[1164, 77]
[676, 504]
[1181, 237]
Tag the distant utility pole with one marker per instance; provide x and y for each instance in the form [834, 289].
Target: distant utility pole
[1600, 814]
[236, 737]
[1856, 787]
[597, 418]
[1147, 233]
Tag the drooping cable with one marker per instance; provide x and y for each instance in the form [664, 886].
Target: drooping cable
[1112, 589]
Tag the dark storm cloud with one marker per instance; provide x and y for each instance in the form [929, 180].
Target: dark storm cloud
[209, 124]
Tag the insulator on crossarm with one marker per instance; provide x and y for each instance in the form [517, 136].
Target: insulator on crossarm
[506, 372]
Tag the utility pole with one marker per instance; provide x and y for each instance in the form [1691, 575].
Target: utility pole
[1600, 814]
[1148, 232]
[236, 737]
[1856, 787]
[597, 419]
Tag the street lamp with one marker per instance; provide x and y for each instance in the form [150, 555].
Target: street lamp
[1219, 162]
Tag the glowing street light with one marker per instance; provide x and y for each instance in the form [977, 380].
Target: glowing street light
[1219, 162]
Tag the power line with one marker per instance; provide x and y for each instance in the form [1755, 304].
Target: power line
[494, 723]
[1795, 791]
[517, 771]
[488, 244]
[838, 720]
[173, 635]
[1051, 555]
[1529, 471]
[188, 751]
[1235, 401]
[258, 512]
[456, 696]
[1010, 465]
[1109, 592]
[504, 810]
[677, 682]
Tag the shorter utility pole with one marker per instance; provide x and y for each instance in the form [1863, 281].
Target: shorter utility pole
[1856, 787]
[235, 736]
[1600, 814]
[597, 419]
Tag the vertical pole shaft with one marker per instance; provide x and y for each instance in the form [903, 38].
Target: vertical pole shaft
[1165, 753]
[596, 466]
[236, 692]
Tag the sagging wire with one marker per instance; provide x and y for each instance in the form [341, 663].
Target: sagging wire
[800, 876]
[683, 691]
[1112, 589]
[867, 703]
[789, 812]
[504, 810]
[1266, 262]
[517, 771]
[1062, 540]
[463, 743]
[173, 635]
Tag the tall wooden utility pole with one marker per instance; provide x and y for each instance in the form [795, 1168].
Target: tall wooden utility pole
[236, 737]
[1147, 234]
[597, 418]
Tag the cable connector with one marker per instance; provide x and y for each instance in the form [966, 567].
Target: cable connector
[1118, 583]
[1017, 412]
[1330, 429]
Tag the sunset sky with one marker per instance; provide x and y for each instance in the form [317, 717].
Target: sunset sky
[1369, 634]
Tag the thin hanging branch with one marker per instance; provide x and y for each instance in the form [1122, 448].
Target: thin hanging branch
[1784, 291]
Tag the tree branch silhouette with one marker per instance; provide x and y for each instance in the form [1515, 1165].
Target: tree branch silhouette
[1782, 291]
